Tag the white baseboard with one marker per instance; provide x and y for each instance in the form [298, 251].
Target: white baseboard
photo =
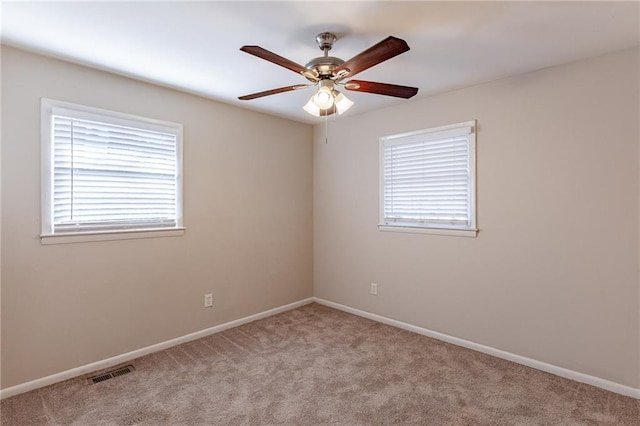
[119, 359]
[539, 365]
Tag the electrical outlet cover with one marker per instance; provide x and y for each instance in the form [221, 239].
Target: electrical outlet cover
[208, 300]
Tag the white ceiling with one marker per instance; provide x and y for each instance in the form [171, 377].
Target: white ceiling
[194, 46]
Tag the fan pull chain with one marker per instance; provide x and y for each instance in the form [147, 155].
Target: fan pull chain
[326, 129]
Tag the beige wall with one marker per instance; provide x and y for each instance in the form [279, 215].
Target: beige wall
[553, 273]
[248, 213]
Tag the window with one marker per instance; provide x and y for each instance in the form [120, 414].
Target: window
[107, 175]
[427, 181]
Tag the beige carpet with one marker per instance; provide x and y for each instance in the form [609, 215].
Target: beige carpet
[316, 365]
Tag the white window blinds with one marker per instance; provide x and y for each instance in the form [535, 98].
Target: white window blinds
[109, 176]
[427, 178]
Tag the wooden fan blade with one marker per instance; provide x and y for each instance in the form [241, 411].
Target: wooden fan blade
[276, 59]
[274, 91]
[386, 49]
[387, 89]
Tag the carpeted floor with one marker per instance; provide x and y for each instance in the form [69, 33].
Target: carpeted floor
[316, 365]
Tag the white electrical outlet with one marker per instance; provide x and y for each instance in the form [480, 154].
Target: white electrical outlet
[208, 300]
[374, 289]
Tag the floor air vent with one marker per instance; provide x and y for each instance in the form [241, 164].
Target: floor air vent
[111, 374]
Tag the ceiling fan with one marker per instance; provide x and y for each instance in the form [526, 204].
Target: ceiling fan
[328, 72]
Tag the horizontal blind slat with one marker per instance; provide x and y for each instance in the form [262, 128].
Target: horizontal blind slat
[112, 177]
[426, 181]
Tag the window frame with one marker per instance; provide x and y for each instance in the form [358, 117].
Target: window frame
[47, 235]
[465, 230]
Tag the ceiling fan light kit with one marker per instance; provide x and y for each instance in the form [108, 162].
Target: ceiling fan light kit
[327, 72]
[327, 100]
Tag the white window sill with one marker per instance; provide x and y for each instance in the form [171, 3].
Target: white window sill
[83, 237]
[434, 231]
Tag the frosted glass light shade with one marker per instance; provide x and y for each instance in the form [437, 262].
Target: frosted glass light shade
[324, 98]
[312, 108]
[342, 103]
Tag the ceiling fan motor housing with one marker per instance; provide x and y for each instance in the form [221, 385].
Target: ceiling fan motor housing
[324, 65]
